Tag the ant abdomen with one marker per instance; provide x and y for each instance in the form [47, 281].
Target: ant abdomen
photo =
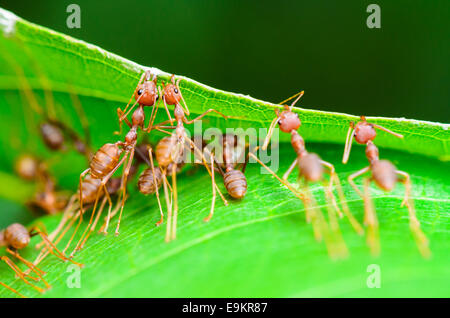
[16, 236]
[52, 135]
[104, 160]
[169, 150]
[310, 167]
[89, 188]
[384, 174]
[27, 167]
[235, 183]
[146, 180]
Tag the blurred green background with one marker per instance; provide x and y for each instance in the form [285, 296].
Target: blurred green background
[280, 47]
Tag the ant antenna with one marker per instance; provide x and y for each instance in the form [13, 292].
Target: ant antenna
[296, 100]
[288, 99]
[388, 131]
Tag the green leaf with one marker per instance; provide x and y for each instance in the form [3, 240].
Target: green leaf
[259, 247]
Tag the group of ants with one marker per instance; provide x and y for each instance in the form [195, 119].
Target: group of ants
[97, 184]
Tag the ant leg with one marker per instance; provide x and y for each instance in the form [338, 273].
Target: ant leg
[127, 121]
[329, 188]
[182, 98]
[67, 215]
[193, 146]
[106, 179]
[414, 224]
[80, 193]
[152, 119]
[107, 198]
[171, 120]
[12, 289]
[31, 266]
[211, 212]
[125, 114]
[19, 273]
[169, 208]
[289, 171]
[313, 213]
[355, 224]
[269, 133]
[388, 131]
[99, 192]
[156, 186]
[285, 183]
[370, 219]
[355, 175]
[124, 187]
[188, 122]
[131, 98]
[54, 250]
[348, 142]
[175, 200]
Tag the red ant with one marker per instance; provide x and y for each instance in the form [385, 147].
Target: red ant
[16, 237]
[46, 198]
[311, 169]
[385, 175]
[170, 150]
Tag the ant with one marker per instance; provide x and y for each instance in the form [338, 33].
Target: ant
[16, 237]
[385, 175]
[54, 132]
[311, 169]
[72, 212]
[232, 153]
[111, 156]
[46, 198]
[170, 150]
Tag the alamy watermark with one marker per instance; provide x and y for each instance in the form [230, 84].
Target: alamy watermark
[73, 21]
[374, 19]
[374, 278]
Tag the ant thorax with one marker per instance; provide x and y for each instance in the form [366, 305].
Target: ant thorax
[372, 152]
[298, 143]
[138, 117]
[178, 112]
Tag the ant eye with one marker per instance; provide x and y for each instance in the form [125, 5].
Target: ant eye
[157, 97]
[280, 122]
[175, 90]
[140, 91]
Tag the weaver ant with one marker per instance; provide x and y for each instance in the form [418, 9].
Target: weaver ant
[170, 151]
[385, 175]
[46, 198]
[311, 169]
[16, 237]
[232, 155]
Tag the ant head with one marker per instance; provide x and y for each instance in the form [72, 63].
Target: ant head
[172, 94]
[17, 236]
[364, 132]
[146, 93]
[288, 121]
[384, 174]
